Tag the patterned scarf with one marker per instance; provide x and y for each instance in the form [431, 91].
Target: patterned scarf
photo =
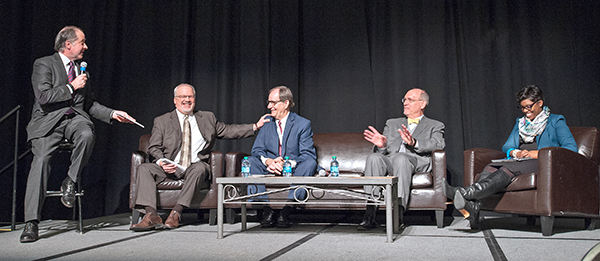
[530, 129]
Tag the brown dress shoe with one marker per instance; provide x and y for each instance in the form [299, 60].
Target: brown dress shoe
[149, 222]
[173, 220]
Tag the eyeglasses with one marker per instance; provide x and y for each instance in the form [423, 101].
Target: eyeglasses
[183, 97]
[409, 100]
[527, 107]
[272, 103]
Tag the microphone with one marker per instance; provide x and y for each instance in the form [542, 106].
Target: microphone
[82, 67]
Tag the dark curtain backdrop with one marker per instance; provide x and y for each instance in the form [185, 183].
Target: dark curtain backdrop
[348, 62]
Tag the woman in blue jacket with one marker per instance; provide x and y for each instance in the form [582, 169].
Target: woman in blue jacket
[536, 130]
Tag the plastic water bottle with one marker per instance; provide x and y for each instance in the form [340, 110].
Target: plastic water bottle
[245, 167]
[334, 170]
[287, 167]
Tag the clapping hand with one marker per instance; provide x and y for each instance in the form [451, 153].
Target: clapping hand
[406, 136]
[373, 136]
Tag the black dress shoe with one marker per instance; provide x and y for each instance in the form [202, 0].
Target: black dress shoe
[68, 190]
[368, 221]
[284, 218]
[367, 225]
[30, 232]
[269, 218]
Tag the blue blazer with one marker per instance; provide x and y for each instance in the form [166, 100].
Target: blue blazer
[556, 134]
[297, 141]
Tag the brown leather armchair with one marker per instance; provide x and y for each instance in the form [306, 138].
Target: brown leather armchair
[566, 184]
[205, 196]
[351, 150]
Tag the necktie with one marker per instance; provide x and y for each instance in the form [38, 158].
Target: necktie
[186, 143]
[71, 76]
[71, 73]
[411, 121]
[280, 131]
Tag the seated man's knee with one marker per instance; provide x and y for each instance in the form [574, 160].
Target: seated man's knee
[84, 135]
[306, 168]
[374, 158]
[401, 158]
[145, 167]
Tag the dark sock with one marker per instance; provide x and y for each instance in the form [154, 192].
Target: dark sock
[151, 210]
[179, 208]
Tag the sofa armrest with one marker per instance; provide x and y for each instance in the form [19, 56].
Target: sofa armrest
[137, 158]
[233, 163]
[216, 166]
[475, 160]
[438, 172]
[567, 183]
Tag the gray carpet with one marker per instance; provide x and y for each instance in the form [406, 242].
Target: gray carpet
[108, 238]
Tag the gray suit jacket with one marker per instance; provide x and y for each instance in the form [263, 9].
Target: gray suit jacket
[429, 135]
[165, 141]
[53, 98]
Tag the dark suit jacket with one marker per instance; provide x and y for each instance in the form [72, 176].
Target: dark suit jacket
[165, 141]
[53, 98]
[429, 134]
[297, 142]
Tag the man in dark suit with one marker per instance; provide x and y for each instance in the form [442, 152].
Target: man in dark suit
[287, 135]
[62, 109]
[170, 143]
[404, 149]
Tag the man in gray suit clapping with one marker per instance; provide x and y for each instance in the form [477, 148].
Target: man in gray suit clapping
[403, 149]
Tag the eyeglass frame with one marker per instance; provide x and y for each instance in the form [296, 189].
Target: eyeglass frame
[183, 97]
[273, 102]
[528, 107]
[409, 100]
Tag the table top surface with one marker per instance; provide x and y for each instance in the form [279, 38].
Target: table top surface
[309, 180]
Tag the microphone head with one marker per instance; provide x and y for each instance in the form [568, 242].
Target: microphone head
[82, 66]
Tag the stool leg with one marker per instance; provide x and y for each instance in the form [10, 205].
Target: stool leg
[79, 206]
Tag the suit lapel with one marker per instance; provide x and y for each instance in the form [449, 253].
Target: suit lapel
[61, 68]
[178, 137]
[420, 127]
[286, 133]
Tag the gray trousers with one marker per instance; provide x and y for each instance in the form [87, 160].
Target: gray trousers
[401, 165]
[151, 174]
[78, 130]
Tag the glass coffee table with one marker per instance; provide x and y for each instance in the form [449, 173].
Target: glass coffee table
[232, 190]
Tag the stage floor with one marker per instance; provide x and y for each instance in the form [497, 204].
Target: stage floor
[333, 237]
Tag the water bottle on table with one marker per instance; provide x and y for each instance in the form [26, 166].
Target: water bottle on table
[287, 167]
[245, 167]
[334, 170]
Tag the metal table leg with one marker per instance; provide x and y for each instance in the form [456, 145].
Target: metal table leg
[389, 219]
[220, 211]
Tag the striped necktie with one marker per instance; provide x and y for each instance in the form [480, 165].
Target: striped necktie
[71, 76]
[71, 73]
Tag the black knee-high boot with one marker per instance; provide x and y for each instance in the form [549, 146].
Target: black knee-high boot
[467, 200]
[450, 191]
[485, 187]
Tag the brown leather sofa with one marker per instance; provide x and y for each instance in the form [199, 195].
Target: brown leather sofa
[566, 184]
[168, 191]
[351, 150]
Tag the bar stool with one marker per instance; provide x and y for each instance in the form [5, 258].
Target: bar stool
[66, 146]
